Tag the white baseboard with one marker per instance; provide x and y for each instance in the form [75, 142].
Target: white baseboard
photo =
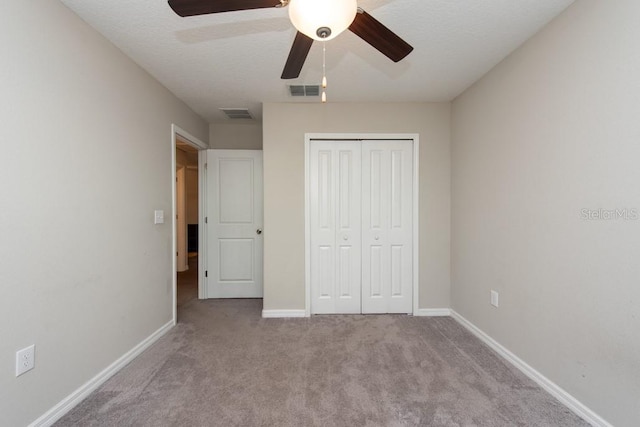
[275, 314]
[69, 402]
[555, 390]
[433, 312]
[426, 312]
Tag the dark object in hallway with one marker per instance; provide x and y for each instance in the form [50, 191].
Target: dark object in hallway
[192, 238]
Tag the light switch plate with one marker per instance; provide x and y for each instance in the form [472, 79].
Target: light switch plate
[495, 296]
[158, 217]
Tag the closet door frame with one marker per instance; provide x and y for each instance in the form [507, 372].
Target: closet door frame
[308, 138]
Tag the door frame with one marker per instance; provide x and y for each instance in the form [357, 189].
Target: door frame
[177, 132]
[308, 138]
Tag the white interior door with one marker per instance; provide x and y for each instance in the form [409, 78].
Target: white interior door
[234, 227]
[335, 224]
[387, 226]
[361, 226]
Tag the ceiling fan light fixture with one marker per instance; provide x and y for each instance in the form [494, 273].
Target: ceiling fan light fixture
[322, 19]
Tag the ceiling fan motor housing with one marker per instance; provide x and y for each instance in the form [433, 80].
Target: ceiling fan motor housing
[323, 32]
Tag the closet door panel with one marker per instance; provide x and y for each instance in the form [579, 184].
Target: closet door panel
[401, 227]
[387, 230]
[348, 236]
[375, 216]
[322, 217]
[335, 227]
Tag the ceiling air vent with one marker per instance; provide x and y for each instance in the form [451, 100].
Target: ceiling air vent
[304, 90]
[237, 113]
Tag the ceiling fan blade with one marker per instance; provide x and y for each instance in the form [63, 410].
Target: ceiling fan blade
[297, 56]
[203, 7]
[377, 35]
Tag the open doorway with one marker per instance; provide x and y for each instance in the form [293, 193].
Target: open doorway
[189, 200]
[187, 222]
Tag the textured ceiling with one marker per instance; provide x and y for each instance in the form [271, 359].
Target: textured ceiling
[235, 59]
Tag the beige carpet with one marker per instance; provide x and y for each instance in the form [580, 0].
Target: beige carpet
[223, 365]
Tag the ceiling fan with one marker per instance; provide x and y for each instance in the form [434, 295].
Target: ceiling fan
[315, 20]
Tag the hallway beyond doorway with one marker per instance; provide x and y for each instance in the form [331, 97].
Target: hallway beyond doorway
[188, 282]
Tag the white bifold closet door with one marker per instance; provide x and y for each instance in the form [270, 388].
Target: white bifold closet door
[361, 213]
[387, 227]
[335, 216]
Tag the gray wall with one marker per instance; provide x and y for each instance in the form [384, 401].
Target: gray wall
[284, 127]
[551, 131]
[238, 134]
[86, 146]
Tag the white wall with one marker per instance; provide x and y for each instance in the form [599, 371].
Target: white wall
[284, 126]
[86, 151]
[552, 130]
[236, 135]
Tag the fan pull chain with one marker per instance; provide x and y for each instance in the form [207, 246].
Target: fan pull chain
[324, 71]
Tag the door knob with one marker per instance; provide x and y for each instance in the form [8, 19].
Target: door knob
[259, 231]
[377, 237]
[345, 237]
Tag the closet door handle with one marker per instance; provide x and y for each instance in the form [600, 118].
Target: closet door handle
[259, 231]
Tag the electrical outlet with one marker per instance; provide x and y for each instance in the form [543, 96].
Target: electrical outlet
[25, 360]
[494, 298]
